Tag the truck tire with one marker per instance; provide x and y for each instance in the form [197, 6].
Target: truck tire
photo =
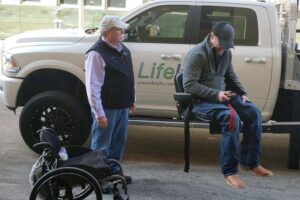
[57, 110]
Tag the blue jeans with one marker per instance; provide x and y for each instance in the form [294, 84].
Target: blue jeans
[111, 139]
[248, 152]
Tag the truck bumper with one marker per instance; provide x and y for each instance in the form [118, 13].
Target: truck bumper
[9, 88]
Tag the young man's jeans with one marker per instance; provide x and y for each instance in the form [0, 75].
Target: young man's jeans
[112, 139]
[248, 119]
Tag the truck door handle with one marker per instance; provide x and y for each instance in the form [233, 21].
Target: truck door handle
[256, 60]
[168, 57]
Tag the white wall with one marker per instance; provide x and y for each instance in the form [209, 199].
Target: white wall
[49, 2]
[130, 4]
[11, 1]
[43, 2]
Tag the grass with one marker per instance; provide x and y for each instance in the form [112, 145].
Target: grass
[15, 19]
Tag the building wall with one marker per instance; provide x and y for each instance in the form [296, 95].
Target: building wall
[17, 16]
[130, 4]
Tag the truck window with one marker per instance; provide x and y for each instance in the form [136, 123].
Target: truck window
[243, 20]
[163, 24]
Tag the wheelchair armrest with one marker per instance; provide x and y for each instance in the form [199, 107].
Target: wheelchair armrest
[183, 97]
[39, 147]
[74, 150]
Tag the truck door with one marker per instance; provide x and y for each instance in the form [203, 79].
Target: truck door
[158, 40]
[252, 55]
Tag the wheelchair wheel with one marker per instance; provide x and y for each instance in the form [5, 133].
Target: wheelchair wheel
[119, 197]
[120, 190]
[66, 183]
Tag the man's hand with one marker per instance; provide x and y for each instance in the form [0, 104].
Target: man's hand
[245, 98]
[224, 96]
[102, 121]
[132, 108]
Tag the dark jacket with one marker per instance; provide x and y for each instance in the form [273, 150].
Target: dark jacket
[200, 76]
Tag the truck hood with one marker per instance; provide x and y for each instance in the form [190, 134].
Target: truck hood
[44, 37]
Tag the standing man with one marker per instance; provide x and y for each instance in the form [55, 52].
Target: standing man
[110, 89]
[208, 71]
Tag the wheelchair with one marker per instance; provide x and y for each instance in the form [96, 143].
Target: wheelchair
[85, 174]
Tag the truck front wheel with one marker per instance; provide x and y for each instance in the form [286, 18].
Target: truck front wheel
[57, 110]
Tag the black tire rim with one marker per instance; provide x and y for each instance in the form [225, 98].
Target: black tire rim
[55, 117]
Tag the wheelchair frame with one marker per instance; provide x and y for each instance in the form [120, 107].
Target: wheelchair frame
[59, 182]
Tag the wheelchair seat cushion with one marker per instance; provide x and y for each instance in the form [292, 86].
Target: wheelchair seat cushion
[94, 162]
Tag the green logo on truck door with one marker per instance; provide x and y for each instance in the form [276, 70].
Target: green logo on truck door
[157, 71]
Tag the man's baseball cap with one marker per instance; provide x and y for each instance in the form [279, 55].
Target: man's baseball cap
[109, 22]
[225, 32]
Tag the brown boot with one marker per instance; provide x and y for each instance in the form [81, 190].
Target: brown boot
[235, 181]
[260, 171]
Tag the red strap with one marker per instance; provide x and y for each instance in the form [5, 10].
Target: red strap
[232, 115]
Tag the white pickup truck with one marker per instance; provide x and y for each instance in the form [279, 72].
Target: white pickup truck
[44, 70]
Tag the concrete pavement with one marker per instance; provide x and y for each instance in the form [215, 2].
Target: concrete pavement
[154, 158]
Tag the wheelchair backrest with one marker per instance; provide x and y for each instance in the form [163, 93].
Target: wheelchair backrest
[49, 135]
[181, 105]
[178, 82]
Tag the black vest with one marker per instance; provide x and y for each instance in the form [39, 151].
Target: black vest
[118, 88]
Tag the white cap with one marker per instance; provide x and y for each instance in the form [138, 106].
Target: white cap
[109, 22]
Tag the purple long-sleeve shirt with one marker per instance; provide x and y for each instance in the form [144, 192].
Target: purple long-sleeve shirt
[94, 77]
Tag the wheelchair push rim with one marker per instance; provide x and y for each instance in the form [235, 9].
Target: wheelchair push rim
[52, 186]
